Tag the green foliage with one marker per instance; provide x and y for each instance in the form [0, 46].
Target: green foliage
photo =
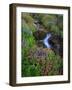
[27, 23]
[52, 23]
[56, 61]
[48, 21]
[30, 66]
[56, 31]
[27, 18]
[28, 28]
[29, 41]
[27, 36]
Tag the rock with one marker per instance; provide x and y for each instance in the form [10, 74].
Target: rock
[56, 43]
[39, 35]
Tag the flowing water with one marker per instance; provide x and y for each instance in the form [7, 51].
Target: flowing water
[46, 42]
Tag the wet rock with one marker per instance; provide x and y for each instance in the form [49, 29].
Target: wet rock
[56, 43]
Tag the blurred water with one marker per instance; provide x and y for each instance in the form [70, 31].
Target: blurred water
[45, 41]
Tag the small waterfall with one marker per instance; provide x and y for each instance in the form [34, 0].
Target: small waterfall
[45, 41]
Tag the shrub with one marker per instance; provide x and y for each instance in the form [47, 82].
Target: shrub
[57, 63]
[48, 21]
[27, 18]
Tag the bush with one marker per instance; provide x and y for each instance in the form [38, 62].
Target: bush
[48, 21]
[57, 63]
[30, 68]
[49, 66]
[27, 18]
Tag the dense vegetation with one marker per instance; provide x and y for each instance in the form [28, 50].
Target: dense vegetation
[38, 60]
